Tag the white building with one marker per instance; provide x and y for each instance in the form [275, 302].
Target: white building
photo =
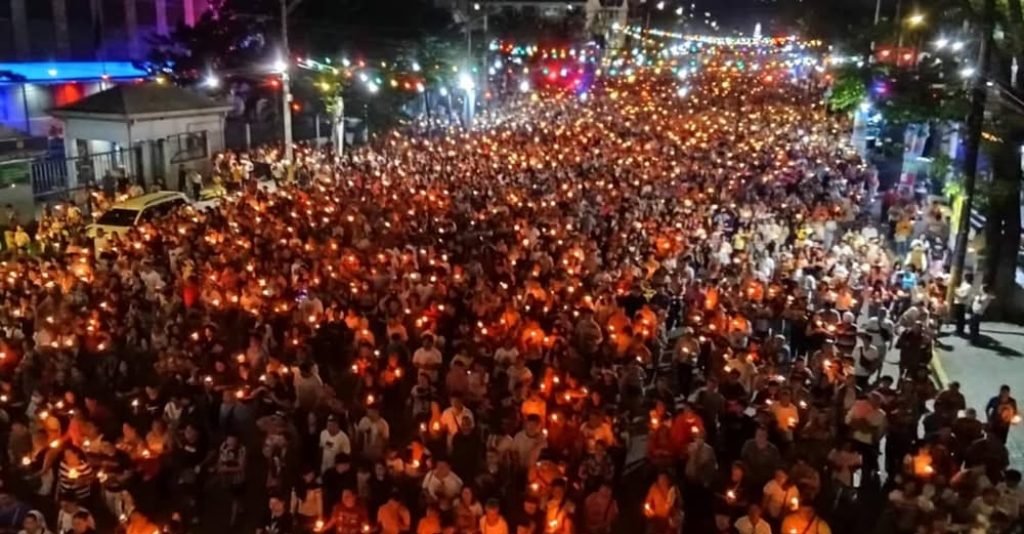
[144, 131]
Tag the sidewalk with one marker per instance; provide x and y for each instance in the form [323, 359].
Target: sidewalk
[981, 370]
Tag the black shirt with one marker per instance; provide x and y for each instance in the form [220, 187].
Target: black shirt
[282, 524]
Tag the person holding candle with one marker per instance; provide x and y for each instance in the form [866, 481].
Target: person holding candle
[663, 506]
[279, 520]
[393, 517]
[1001, 411]
[332, 443]
[752, 522]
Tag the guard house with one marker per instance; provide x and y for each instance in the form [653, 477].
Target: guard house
[143, 131]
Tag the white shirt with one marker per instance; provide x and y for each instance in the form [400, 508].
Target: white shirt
[870, 356]
[424, 357]
[962, 295]
[452, 422]
[743, 526]
[504, 356]
[443, 489]
[877, 328]
[375, 434]
[777, 497]
[331, 446]
[980, 303]
[527, 449]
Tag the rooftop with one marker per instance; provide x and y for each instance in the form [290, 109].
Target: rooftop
[134, 100]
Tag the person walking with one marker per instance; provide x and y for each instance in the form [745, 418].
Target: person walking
[961, 299]
[195, 180]
[979, 305]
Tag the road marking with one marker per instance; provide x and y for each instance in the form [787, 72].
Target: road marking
[938, 369]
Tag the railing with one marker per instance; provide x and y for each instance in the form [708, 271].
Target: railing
[50, 175]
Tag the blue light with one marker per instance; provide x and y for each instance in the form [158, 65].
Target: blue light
[51, 71]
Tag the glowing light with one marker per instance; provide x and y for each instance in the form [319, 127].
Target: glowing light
[466, 82]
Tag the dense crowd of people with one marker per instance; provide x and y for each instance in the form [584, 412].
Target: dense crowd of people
[506, 331]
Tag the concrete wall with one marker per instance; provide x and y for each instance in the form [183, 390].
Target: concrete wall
[20, 196]
[148, 135]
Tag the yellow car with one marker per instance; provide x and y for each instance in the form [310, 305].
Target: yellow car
[212, 192]
[123, 216]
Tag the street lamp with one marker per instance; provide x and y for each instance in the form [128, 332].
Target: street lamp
[465, 82]
[941, 43]
[912, 21]
[286, 91]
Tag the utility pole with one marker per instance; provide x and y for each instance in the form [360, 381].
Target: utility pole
[899, 30]
[972, 146]
[286, 91]
[485, 67]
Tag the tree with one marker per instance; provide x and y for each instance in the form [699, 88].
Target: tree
[848, 91]
[1004, 125]
[1003, 222]
[232, 36]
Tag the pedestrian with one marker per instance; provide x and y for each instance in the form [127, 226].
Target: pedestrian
[962, 298]
[979, 305]
[195, 180]
[1002, 413]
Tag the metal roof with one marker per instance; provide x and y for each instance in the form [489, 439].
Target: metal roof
[141, 99]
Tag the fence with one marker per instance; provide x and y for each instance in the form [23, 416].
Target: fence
[49, 175]
[242, 135]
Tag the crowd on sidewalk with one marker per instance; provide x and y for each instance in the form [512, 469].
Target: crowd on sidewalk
[470, 334]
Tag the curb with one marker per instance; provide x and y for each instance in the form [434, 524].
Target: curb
[938, 371]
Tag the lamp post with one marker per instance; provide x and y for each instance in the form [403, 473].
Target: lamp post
[912, 21]
[469, 87]
[972, 145]
[480, 5]
[286, 93]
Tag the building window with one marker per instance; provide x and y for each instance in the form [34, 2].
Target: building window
[187, 147]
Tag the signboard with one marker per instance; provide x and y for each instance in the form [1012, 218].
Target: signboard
[15, 173]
